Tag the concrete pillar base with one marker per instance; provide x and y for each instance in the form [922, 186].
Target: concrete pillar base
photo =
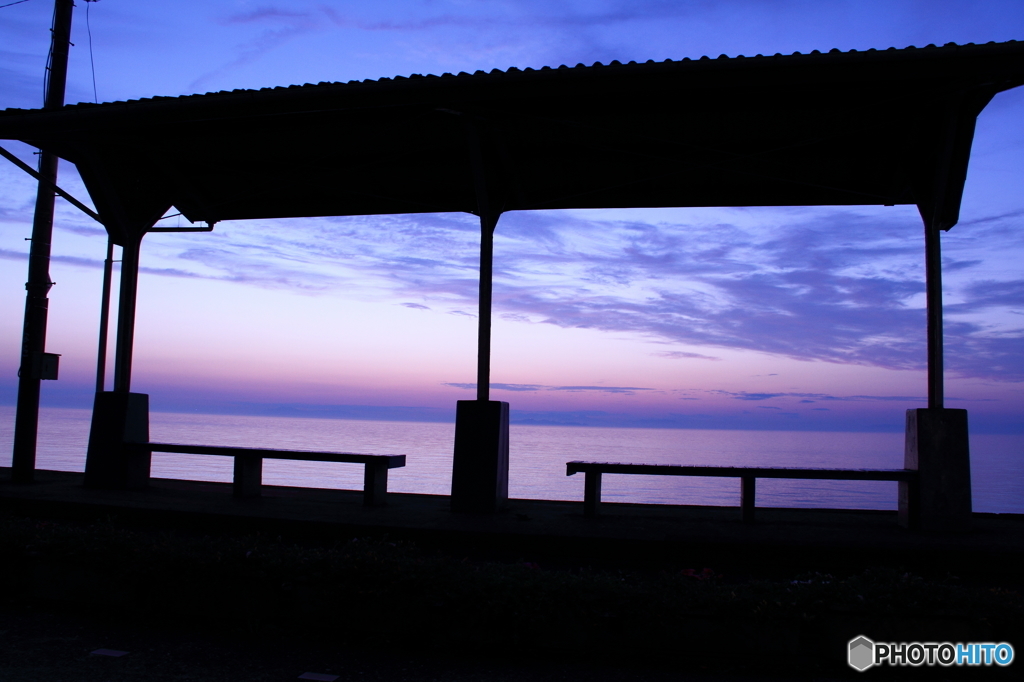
[480, 466]
[118, 418]
[937, 447]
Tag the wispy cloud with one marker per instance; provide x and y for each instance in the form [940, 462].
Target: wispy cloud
[601, 389]
[752, 396]
[679, 355]
[825, 397]
[470, 36]
[484, 32]
[8, 254]
[281, 26]
[626, 390]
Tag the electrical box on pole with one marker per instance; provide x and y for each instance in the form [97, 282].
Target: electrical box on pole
[45, 365]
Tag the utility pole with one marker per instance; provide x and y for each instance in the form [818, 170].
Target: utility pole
[33, 343]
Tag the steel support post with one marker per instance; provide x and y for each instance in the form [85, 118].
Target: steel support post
[483, 344]
[101, 352]
[933, 297]
[480, 464]
[126, 314]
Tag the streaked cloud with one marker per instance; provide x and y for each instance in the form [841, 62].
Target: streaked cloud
[808, 398]
[679, 355]
[601, 389]
[281, 26]
[627, 390]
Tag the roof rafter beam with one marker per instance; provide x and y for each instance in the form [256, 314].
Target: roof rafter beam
[73, 201]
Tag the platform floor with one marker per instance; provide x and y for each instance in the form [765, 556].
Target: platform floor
[556, 530]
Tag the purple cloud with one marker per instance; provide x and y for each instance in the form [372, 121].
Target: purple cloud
[287, 25]
[679, 355]
[601, 389]
[626, 390]
[814, 397]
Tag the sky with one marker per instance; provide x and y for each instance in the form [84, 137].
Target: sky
[798, 318]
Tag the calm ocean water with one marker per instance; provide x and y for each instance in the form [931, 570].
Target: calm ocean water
[538, 456]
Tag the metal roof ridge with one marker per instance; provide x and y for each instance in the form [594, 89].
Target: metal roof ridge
[529, 71]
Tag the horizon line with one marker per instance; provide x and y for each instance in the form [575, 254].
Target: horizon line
[575, 418]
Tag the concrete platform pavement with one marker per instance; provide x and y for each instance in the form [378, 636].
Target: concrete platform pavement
[553, 531]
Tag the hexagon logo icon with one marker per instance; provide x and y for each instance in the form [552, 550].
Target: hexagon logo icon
[861, 654]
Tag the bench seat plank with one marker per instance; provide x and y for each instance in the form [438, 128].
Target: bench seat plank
[739, 472]
[392, 461]
[248, 469]
[748, 478]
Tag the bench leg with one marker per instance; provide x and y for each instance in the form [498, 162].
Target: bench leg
[591, 493]
[748, 486]
[375, 484]
[248, 481]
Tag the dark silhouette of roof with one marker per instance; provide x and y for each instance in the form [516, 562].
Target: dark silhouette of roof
[875, 127]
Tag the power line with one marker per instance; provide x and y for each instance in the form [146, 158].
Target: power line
[49, 57]
[13, 3]
[92, 63]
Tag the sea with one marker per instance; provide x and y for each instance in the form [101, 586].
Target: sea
[537, 457]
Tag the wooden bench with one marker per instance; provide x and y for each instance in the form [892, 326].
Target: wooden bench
[248, 475]
[748, 477]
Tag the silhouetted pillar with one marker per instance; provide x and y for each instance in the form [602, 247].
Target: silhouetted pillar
[480, 463]
[480, 466]
[933, 298]
[937, 447]
[483, 342]
[33, 343]
[126, 314]
[118, 418]
[121, 416]
[101, 350]
[936, 441]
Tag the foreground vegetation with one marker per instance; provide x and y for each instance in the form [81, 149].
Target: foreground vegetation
[373, 591]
